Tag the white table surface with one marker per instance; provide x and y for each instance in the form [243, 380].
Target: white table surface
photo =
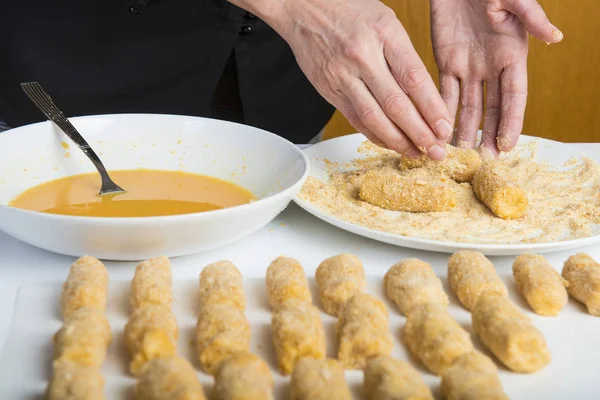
[294, 233]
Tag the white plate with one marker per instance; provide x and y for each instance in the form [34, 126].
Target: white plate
[271, 167]
[344, 149]
[573, 339]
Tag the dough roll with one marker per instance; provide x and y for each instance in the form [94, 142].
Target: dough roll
[363, 331]
[83, 338]
[222, 283]
[286, 281]
[435, 338]
[151, 284]
[540, 284]
[412, 283]
[221, 331]
[470, 274]
[150, 333]
[244, 376]
[319, 380]
[297, 332]
[460, 164]
[391, 190]
[503, 198]
[86, 286]
[509, 334]
[73, 381]
[472, 377]
[169, 378]
[339, 278]
[583, 275]
[363, 304]
[387, 378]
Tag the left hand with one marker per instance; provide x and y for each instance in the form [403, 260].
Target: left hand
[477, 41]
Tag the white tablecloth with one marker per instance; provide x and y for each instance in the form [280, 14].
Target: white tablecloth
[293, 233]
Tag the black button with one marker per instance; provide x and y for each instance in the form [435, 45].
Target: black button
[134, 10]
[246, 30]
[250, 16]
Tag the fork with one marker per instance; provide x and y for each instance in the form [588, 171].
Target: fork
[44, 103]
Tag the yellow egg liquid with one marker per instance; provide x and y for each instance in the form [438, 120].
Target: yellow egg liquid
[149, 193]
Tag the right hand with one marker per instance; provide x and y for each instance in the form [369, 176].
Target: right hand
[360, 59]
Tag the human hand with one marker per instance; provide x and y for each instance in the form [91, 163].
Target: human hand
[359, 57]
[477, 41]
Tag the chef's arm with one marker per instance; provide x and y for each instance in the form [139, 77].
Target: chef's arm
[359, 57]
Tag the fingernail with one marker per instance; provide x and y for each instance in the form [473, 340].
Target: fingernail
[443, 129]
[436, 152]
[557, 35]
[413, 153]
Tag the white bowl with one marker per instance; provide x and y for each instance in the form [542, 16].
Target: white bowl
[272, 168]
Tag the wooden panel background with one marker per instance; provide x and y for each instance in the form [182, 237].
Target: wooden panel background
[564, 79]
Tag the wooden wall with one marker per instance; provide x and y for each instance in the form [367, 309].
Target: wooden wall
[564, 79]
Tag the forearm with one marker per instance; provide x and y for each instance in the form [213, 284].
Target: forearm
[359, 58]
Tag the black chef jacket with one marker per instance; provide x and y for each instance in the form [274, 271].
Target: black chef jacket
[192, 57]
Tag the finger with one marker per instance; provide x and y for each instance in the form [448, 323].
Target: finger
[471, 110]
[372, 138]
[531, 13]
[343, 105]
[410, 72]
[513, 86]
[488, 147]
[401, 110]
[363, 129]
[365, 112]
[450, 90]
